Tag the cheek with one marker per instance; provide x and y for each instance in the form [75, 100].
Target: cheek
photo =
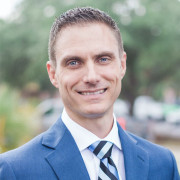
[113, 75]
[67, 80]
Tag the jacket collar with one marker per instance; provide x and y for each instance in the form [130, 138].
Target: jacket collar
[67, 163]
[65, 158]
[136, 159]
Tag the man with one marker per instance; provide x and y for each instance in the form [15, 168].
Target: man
[87, 64]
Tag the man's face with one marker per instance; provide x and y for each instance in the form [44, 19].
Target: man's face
[88, 70]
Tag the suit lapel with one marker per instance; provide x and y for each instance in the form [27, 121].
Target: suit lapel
[65, 158]
[136, 160]
[66, 161]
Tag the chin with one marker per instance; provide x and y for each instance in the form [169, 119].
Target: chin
[95, 113]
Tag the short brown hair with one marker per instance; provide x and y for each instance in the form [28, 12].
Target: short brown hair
[80, 16]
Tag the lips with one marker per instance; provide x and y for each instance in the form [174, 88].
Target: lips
[95, 92]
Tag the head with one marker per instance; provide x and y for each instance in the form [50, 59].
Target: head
[87, 63]
[81, 16]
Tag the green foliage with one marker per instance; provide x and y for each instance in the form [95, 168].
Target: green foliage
[150, 30]
[14, 119]
[159, 60]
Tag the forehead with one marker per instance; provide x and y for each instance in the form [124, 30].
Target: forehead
[85, 39]
[84, 31]
[80, 25]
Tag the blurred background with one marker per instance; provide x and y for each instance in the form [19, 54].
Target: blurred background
[149, 104]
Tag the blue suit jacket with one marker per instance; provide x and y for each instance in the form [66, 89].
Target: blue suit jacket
[54, 155]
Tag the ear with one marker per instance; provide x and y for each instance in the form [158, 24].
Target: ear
[123, 64]
[51, 69]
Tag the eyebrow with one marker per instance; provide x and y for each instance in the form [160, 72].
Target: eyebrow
[104, 53]
[70, 57]
[96, 56]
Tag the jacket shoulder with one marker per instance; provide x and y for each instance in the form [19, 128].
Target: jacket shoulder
[27, 148]
[159, 157]
[150, 147]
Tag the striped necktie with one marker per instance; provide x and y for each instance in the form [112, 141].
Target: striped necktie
[108, 170]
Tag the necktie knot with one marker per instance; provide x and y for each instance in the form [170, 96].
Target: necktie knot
[102, 149]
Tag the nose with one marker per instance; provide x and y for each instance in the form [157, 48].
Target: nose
[91, 74]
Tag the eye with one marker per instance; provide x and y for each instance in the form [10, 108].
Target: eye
[73, 63]
[104, 60]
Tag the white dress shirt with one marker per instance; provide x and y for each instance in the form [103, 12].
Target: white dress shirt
[85, 138]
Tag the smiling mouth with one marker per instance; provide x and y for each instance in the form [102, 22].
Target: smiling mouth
[86, 93]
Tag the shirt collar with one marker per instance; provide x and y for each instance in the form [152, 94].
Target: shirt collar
[85, 138]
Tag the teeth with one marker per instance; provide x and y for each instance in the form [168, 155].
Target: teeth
[93, 93]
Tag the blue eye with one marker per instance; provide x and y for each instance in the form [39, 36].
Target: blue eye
[104, 59]
[73, 63]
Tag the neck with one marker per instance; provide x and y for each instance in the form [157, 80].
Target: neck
[99, 125]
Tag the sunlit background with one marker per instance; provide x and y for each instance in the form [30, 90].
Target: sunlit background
[149, 104]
